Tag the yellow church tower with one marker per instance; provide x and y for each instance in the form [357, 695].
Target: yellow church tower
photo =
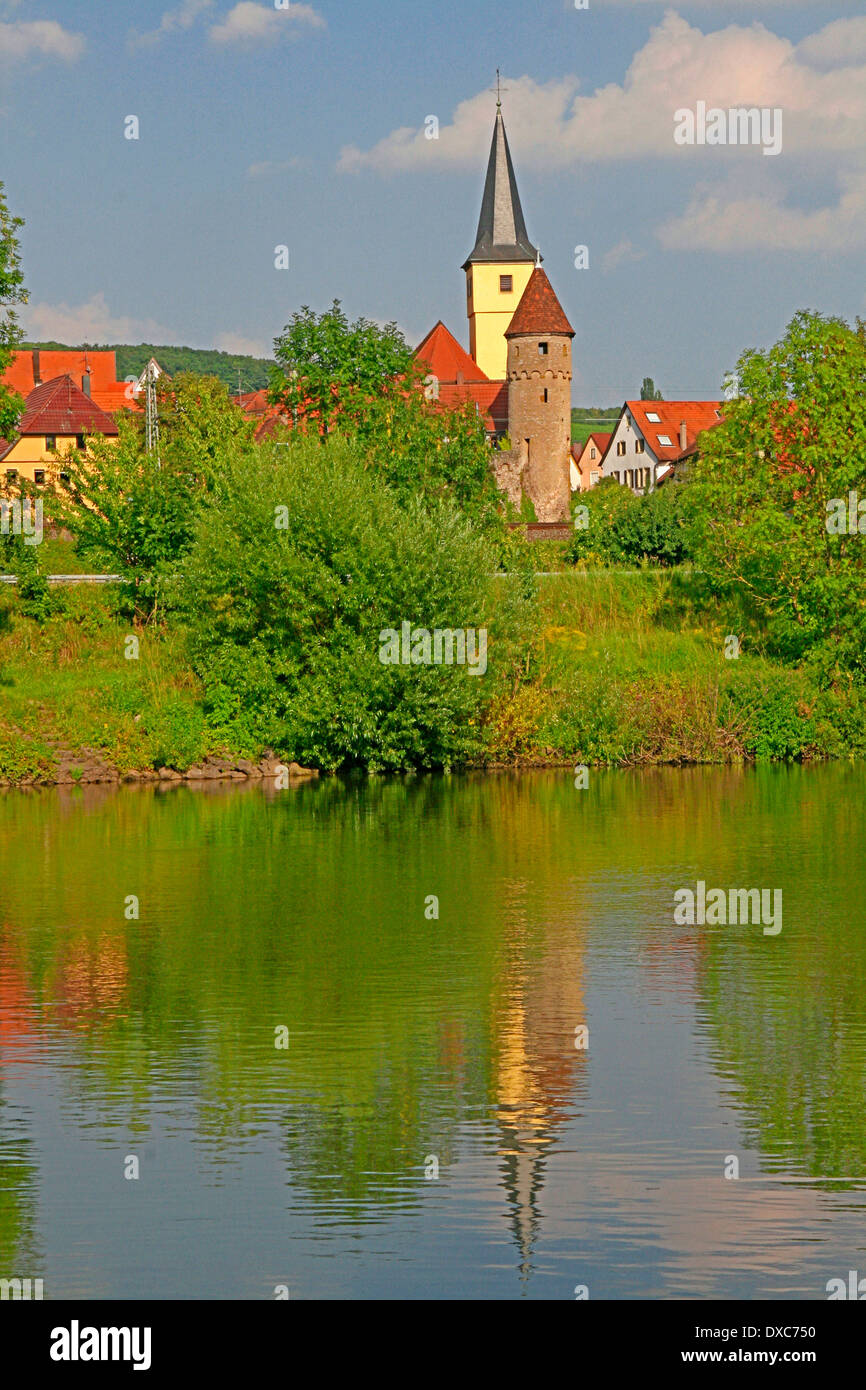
[499, 267]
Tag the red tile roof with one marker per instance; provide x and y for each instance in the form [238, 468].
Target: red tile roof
[539, 310]
[445, 357]
[491, 398]
[698, 416]
[61, 407]
[21, 373]
[600, 441]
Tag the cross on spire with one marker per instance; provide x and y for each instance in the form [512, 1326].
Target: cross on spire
[499, 90]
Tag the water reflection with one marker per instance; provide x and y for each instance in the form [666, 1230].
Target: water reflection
[451, 1037]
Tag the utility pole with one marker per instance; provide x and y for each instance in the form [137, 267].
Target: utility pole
[151, 415]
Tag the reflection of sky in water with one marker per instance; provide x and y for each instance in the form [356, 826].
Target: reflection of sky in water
[558, 1167]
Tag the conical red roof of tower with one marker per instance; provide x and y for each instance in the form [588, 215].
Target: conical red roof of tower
[539, 311]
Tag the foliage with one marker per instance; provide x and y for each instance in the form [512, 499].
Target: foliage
[762, 493]
[613, 526]
[285, 620]
[134, 513]
[131, 360]
[12, 293]
[328, 367]
[648, 390]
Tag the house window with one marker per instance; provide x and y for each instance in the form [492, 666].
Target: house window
[64, 477]
[79, 441]
[592, 453]
[506, 284]
[653, 417]
[11, 475]
[639, 446]
[620, 449]
[51, 442]
[39, 476]
[665, 439]
[542, 349]
[593, 479]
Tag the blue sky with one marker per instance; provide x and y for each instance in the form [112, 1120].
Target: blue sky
[303, 126]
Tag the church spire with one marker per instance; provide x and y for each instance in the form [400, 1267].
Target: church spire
[502, 234]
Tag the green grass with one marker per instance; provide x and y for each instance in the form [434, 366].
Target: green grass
[627, 667]
[630, 668]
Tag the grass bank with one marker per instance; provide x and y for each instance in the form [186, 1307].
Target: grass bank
[627, 668]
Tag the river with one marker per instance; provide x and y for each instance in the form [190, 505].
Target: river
[434, 1037]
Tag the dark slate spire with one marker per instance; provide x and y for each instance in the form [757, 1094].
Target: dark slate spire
[502, 232]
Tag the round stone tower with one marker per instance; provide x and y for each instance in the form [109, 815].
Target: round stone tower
[539, 397]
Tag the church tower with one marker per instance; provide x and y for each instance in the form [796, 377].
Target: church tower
[501, 263]
[539, 397]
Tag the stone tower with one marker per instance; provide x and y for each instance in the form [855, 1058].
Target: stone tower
[500, 265]
[539, 399]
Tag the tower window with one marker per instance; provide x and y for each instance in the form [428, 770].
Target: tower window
[545, 396]
[506, 284]
[542, 349]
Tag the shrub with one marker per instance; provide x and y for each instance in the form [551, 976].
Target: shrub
[300, 562]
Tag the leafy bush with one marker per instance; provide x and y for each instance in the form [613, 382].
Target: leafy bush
[300, 562]
[617, 527]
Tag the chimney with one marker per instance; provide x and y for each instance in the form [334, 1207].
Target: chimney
[684, 436]
[37, 374]
[85, 383]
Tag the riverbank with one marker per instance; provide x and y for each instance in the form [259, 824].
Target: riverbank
[627, 669]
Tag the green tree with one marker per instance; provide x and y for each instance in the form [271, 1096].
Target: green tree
[12, 293]
[327, 367]
[769, 497]
[648, 390]
[299, 565]
[135, 514]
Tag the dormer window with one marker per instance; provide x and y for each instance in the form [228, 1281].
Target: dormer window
[542, 349]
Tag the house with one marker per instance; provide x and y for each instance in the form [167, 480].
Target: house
[651, 437]
[454, 379]
[585, 466]
[58, 416]
[95, 372]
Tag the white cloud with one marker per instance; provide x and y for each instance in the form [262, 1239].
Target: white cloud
[728, 220]
[184, 17]
[91, 322]
[622, 254]
[838, 45]
[274, 166]
[22, 38]
[554, 125]
[246, 347]
[249, 23]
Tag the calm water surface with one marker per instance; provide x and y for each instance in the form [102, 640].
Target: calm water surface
[412, 1039]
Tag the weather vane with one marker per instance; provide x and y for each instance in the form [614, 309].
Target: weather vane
[499, 90]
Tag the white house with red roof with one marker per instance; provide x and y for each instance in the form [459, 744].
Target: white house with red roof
[652, 437]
